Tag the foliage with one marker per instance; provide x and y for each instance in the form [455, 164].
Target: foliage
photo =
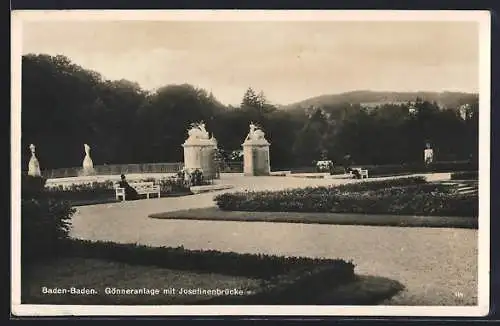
[409, 196]
[124, 123]
[196, 178]
[45, 221]
[94, 186]
[105, 189]
[228, 263]
[465, 175]
[173, 185]
[32, 187]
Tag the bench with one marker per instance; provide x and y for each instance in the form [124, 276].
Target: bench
[142, 188]
[362, 172]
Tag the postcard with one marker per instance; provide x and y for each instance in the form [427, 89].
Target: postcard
[250, 162]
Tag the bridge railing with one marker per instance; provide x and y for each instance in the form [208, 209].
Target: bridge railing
[116, 169]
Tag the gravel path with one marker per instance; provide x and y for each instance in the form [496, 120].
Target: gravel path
[437, 266]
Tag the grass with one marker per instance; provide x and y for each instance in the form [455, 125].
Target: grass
[465, 175]
[216, 214]
[98, 274]
[364, 290]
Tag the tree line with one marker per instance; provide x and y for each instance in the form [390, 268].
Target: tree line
[64, 106]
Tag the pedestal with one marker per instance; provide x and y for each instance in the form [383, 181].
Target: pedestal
[256, 160]
[200, 155]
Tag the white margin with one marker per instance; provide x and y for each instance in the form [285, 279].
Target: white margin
[481, 17]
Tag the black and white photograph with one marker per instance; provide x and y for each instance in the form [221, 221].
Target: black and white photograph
[239, 162]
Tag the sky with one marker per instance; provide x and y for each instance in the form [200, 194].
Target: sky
[288, 61]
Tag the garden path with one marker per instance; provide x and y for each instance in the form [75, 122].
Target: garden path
[438, 266]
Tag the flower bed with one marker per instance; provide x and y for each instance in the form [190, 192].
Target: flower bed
[405, 196]
[104, 191]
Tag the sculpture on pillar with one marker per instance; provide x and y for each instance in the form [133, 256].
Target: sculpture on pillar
[198, 131]
[34, 165]
[88, 165]
[256, 152]
[199, 149]
[255, 133]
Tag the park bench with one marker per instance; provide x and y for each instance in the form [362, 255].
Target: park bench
[142, 188]
[362, 172]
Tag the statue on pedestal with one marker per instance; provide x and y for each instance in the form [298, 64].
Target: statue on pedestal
[34, 165]
[198, 150]
[198, 131]
[255, 133]
[88, 165]
[256, 152]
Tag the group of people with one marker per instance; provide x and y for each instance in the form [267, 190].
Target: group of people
[327, 165]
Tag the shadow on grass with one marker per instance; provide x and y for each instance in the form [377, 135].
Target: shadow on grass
[365, 290]
[216, 214]
[92, 276]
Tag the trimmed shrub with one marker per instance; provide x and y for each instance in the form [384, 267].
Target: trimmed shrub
[209, 261]
[83, 191]
[297, 287]
[100, 190]
[465, 175]
[173, 185]
[45, 221]
[407, 196]
[380, 184]
[32, 187]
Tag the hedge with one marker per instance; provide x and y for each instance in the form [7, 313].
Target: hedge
[210, 261]
[407, 196]
[294, 288]
[105, 189]
[45, 221]
[465, 175]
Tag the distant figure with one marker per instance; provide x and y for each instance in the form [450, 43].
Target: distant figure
[130, 193]
[428, 154]
[330, 167]
[356, 173]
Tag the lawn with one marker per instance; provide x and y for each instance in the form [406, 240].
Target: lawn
[216, 214]
[105, 282]
[100, 273]
[155, 285]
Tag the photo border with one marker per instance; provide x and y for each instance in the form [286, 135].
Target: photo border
[482, 17]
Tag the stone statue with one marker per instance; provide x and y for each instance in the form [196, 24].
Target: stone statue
[34, 165]
[255, 133]
[88, 165]
[198, 131]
